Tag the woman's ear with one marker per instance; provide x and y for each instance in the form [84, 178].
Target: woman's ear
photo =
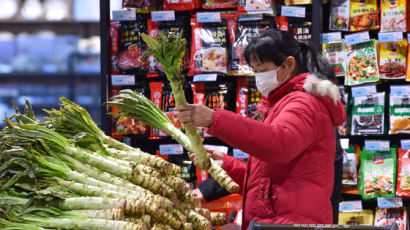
[291, 64]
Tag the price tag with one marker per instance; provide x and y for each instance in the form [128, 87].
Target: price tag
[356, 38]
[205, 77]
[171, 149]
[165, 15]
[399, 90]
[395, 202]
[408, 38]
[266, 11]
[219, 148]
[238, 154]
[351, 206]
[250, 17]
[293, 11]
[344, 142]
[363, 91]
[331, 37]
[373, 145]
[119, 80]
[124, 15]
[208, 17]
[405, 144]
[391, 37]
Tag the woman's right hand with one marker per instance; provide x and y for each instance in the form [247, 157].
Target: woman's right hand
[216, 155]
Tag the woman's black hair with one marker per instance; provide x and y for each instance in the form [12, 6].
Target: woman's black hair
[276, 45]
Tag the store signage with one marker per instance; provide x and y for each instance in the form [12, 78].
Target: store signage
[391, 37]
[376, 145]
[205, 77]
[293, 11]
[163, 15]
[363, 91]
[395, 202]
[356, 38]
[344, 142]
[238, 154]
[351, 206]
[208, 17]
[405, 144]
[119, 80]
[331, 37]
[124, 15]
[171, 149]
[399, 90]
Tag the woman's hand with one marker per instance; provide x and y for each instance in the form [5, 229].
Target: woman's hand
[216, 155]
[197, 194]
[195, 115]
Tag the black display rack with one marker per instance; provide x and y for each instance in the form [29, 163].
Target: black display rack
[258, 226]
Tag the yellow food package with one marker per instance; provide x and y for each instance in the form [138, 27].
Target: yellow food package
[335, 54]
[392, 61]
[393, 15]
[364, 15]
[365, 217]
[362, 64]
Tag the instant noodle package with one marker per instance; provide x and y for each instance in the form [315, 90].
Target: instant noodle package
[339, 15]
[361, 63]
[392, 61]
[403, 173]
[364, 15]
[368, 114]
[335, 53]
[389, 216]
[400, 110]
[394, 15]
[378, 177]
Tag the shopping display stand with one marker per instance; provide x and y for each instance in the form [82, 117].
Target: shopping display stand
[258, 226]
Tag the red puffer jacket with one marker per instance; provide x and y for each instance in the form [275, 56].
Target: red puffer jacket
[289, 175]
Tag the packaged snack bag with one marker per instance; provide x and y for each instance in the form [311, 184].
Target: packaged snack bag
[127, 56]
[403, 173]
[209, 46]
[156, 89]
[217, 4]
[393, 15]
[171, 27]
[365, 217]
[339, 15]
[349, 176]
[181, 4]
[368, 114]
[144, 6]
[168, 105]
[378, 174]
[335, 53]
[388, 216]
[399, 110]
[248, 27]
[247, 99]
[392, 62]
[344, 128]
[364, 15]
[361, 64]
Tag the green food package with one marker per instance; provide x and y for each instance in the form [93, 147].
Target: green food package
[378, 174]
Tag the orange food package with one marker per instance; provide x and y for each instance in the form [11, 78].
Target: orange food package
[403, 173]
[394, 16]
[364, 15]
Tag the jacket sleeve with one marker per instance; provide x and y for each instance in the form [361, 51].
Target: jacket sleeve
[235, 169]
[291, 132]
[211, 190]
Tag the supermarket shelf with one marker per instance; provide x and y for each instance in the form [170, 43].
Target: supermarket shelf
[39, 22]
[46, 76]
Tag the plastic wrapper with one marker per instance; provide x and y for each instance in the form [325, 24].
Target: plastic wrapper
[171, 27]
[339, 15]
[364, 15]
[219, 4]
[400, 113]
[349, 176]
[127, 46]
[209, 47]
[403, 173]
[392, 64]
[394, 16]
[368, 114]
[335, 53]
[181, 4]
[365, 217]
[361, 63]
[388, 216]
[247, 28]
[378, 174]
[247, 99]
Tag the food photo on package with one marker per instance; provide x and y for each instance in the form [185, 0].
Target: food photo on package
[339, 15]
[368, 114]
[394, 16]
[392, 61]
[364, 15]
[400, 112]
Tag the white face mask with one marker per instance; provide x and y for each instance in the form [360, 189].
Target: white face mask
[267, 81]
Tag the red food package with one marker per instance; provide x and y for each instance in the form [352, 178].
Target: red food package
[242, 96]
[141, 6]
[168, 105]
[248, 27]
[156, 98]
[389, 216]
[282, 23]
[198, 90]
[181, 4]
[209, 46]
[218, 4]
[174, 27]
[127, 55]
[403, 173]
[247, 100]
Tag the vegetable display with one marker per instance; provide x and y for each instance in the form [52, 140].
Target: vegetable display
[64, 173]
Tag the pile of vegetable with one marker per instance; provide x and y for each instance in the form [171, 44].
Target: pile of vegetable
[63, 172]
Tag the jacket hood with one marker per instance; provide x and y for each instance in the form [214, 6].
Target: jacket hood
[326, 91]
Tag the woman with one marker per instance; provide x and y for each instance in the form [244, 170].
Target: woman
[289, 175]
